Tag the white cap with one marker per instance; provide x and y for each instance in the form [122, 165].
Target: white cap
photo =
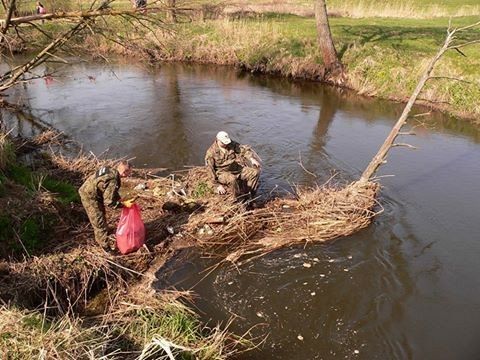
[223, 137]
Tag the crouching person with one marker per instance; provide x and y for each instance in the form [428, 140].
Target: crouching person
[100, 189]
[233, 165]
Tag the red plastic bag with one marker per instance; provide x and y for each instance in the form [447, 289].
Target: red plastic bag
[131, 230]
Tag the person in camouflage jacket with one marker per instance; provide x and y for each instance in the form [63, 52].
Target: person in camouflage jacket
[234, 165]
[100, 189]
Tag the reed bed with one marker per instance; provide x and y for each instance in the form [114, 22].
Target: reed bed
[233, 229]
[65, 280]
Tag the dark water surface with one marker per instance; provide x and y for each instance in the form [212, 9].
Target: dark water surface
[407, 287]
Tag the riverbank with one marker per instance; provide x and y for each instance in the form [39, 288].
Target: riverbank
[64, 297]
[383, 57]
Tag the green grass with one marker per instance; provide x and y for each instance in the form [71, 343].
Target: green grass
[384, 57]
[64, 192]
[6, 229]
[202, 190]
[3, 181]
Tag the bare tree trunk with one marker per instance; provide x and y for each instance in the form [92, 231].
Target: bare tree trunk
[379, 158]
[79, 15]
[333, 66]
[172, 14]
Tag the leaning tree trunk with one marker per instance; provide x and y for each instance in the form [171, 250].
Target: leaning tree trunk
[380, 157]
[333, 66]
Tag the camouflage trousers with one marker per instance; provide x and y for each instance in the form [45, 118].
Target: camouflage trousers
[243, 183]
[96, 214]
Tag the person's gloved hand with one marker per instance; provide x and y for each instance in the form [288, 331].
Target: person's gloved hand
[128, 203]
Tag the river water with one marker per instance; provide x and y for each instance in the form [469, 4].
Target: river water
[407, 287]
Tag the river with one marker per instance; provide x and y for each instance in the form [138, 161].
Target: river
[407, 287]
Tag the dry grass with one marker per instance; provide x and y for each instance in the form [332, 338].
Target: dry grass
[65, 279]
[48, 137]
[227, 228]
[359, 9]
[158, 323]
[399, 9]
[7, 153]
[29, 335]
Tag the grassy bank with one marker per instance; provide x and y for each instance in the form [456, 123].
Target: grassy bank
[135, 331]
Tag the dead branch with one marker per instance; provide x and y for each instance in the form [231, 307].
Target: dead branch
[7, 22]
[12, 77]
[405, 145]
[379, 158]
[84, 14]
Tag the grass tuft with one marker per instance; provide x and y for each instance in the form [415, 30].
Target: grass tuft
[7, 152]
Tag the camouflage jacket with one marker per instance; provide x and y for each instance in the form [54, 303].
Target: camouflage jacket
[103, 186]
[232, 159]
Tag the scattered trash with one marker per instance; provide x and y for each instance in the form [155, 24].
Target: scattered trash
[346, 270]
[307, 265]
[140, 187]
[230, 283]
[170, 230]
[313, 293]
[350, 257]
[316, 259]
[331, 260]
[356, 352]
[300, 337]
[322, 275]
[205, 230]
[259, 314]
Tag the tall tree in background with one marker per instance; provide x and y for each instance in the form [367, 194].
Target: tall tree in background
[333, 66]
